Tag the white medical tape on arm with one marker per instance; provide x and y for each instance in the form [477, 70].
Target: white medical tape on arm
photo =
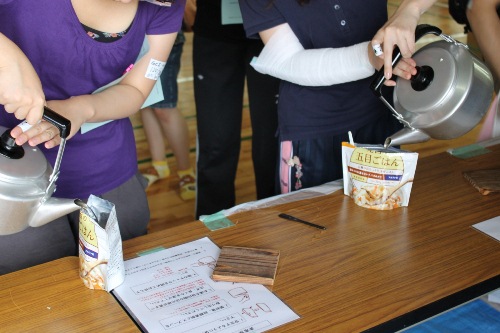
[155, 68]
[285, 58]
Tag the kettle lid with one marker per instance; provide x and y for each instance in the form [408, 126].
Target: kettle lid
[20, 167]
[442, 68]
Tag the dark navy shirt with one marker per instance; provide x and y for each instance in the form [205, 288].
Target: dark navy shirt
[312, 112]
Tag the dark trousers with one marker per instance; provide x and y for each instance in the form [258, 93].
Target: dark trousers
[321, 158]
[220, 70]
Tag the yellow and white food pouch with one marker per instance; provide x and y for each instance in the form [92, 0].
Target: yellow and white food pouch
[100, 245]
[376, 177]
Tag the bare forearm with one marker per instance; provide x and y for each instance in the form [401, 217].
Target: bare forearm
[116, 102]
[20, 88]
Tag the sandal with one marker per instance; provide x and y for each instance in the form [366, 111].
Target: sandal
[157, 170]
[151, 175]
[187, 184]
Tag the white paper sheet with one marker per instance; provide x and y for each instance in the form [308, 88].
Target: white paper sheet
[490, 227]
[171, 291]
[302, 194]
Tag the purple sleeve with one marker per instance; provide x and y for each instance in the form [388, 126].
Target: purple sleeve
[165, 19]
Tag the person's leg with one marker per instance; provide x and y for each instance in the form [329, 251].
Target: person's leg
[154, 134]
[175, 128]
[173, 124]
[218, 88]
[316, 161]
[263, 96]
[163, 119]
[159, 167]
[34, 246]
[176, 131]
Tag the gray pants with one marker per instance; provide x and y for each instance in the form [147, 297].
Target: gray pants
[59, 238]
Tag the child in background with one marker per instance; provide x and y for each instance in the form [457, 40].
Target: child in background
[164, 119]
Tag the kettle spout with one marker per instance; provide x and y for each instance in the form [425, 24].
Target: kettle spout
[52, 209]
[406, 136]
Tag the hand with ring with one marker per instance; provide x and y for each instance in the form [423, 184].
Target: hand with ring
[399, 31]
[39, 133]
[44, 131]
[404, 68]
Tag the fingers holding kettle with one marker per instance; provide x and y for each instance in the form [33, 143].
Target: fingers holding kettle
[39, 133]
[399, 31]
[71, 109]
[51, 137]
[386, 40]
[405, 68]
[45, 133]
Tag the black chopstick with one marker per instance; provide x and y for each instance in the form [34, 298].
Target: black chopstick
[296, 219]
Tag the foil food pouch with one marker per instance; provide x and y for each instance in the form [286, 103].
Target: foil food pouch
[376, 177]
[100, 245]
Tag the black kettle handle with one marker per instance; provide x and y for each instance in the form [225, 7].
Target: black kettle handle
[420, 31]
[62, 123]
[9, 148]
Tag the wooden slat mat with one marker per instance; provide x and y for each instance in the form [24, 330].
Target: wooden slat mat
[247, 265]
[485, 181]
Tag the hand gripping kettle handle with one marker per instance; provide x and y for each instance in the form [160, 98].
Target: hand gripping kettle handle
[64, 126]
[420, 31]
[62, 123]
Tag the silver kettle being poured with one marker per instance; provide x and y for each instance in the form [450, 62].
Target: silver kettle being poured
[27, 182]
[448, 96]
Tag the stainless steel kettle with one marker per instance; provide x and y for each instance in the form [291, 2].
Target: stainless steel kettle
[448, 96]
[27, 182]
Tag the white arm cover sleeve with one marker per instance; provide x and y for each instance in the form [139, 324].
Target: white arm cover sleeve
[284, 57]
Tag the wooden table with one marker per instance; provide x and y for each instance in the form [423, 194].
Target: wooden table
[52, 298]
[372, 270]
[376, 271]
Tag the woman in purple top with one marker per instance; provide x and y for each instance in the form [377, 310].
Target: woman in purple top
[321, 50]
[77, 47]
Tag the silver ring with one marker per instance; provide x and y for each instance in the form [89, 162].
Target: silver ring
[50, 133]
[377, 49]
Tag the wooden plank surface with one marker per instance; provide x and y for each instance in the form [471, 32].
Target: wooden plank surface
[246, 265]
[369, 267]
[52, 298]
[485, 181]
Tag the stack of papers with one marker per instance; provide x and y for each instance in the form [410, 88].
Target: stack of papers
[171, 291]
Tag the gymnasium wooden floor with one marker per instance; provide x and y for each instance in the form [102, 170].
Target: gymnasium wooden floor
[168, 209]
